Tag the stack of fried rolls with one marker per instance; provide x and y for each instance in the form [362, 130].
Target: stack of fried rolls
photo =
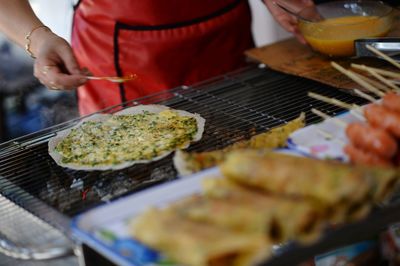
[347, 191]
[262, 198]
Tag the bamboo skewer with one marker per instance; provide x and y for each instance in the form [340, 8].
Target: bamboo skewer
[379, 53]
[369, 84]
[337, 121]
[329, 136]
[375, 83]
[383, 72]
[379, 77]
[332, 101]
[353, 108]
[357, 79]
[365, 96]
[395, 81]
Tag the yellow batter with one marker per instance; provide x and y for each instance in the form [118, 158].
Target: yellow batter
[335, 36]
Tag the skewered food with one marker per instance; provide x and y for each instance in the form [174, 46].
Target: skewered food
[391, 101]
[191, 162]
[139, 134]
[366, 137]
[381, 117]
[375, 142]
[384, 116]
[361, 156]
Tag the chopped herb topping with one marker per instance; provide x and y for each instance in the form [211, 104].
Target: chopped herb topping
[125, 138]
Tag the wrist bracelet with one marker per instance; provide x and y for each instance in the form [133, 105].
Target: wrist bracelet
[28, 40]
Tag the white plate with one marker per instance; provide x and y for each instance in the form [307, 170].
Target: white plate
[312, 140]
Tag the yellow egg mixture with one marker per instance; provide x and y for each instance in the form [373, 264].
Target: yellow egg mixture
[335, 36]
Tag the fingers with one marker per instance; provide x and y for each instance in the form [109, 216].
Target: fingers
[67, 56]
[307, 3]
[287, 21]
[56, 66]
[86, 72]
[55, 86]
[299, 36]
[52, 77]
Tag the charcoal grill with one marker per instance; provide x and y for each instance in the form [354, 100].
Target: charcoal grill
[37, 195]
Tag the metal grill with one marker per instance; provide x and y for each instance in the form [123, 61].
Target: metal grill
[235, 106]
[44, 241]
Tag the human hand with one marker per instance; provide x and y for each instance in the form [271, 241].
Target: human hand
[55, 65]
[287, 21]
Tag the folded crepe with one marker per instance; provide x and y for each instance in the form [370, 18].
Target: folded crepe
[328, 181]
[386, 182]
[196, 244]
[188, 163]
[239, 208]
[349, 190]
[262, 198]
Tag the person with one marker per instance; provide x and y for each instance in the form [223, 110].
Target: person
[164, 43]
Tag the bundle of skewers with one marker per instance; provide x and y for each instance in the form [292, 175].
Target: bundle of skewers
[375, 138]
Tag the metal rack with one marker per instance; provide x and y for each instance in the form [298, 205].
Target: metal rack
[236, 106]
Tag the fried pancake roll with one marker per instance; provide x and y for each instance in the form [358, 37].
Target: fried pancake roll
[278, 218]
[386, 182]
[326, 181]
[192, 243]
[191, 162]
[237, 216]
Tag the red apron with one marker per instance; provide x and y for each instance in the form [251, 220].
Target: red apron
[165, 43]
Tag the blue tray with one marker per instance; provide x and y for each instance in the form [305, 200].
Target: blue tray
[105, 228]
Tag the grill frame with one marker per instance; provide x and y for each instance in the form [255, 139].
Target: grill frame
[234, 106]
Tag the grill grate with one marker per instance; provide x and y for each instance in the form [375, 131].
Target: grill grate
[235, 106]
[44, 241]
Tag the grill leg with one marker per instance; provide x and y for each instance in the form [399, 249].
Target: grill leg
[79, 253]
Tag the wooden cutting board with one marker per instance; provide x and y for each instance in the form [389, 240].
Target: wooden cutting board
[292, 57]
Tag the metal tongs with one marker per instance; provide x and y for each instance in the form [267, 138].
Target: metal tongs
[389, 46]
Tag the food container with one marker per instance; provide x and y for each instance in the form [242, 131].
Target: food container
[346, 21]
[359, 254]
[390, 244]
